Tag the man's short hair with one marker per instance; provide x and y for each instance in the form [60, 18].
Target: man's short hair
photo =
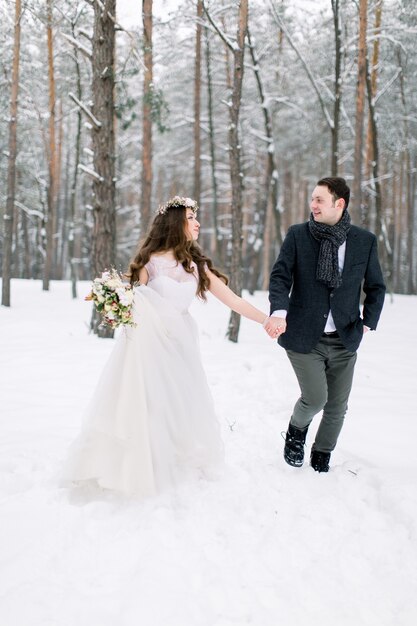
[337, 187]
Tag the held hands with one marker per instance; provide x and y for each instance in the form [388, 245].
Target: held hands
[275, 326]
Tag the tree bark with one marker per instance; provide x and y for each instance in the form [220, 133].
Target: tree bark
[146, 191]
[374, 77]
[381, 230]
[11, 171]
[235, 169]
[270, 185]
[73, 190]
[214, 202]
[409, 192]
[356, 205]
[237, 50]
[375, 157]
[60, 203]
[104, 230]
[52, 154]
[27, 269]
[337, 86]
[402, 220]
[197, 105]
[373, 70]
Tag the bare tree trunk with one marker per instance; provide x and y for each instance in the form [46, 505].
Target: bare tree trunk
[267, 248]
[271, 174]
[373, 70]
[224, 247]
[146, 191]
[26, 248]
[402, 218]
[235, 171]
[214, 228]
[374, 78]
[104, 233]
[15, 250]
[238, 50]
[64, 224]
[356, 206]
[410, 208]
[397, 230]
[381, 230]
[411, 194]
[197, 105]
[270, 185]
[52, 156]
[60, 204]
[375, 157]
[73, 191]
[11, 172]
[288, 198]
[337, 86]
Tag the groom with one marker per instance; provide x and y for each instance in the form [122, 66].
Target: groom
[315, 290]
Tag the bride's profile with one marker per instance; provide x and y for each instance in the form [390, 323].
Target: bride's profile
[151, 420]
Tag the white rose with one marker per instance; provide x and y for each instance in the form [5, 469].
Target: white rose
[121, 294]
[124, 296]
[113, 283]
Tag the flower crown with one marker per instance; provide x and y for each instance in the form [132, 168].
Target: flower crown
[177, 201]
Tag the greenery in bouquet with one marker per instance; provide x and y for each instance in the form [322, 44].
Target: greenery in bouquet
[113, 299]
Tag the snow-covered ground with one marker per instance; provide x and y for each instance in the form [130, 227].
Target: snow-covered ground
[266, 545]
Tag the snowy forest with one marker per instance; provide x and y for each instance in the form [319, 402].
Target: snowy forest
[242, 105]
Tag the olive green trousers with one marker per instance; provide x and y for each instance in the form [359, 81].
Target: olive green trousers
[325, 377]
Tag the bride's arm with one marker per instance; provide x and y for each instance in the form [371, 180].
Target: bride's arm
[234, 302]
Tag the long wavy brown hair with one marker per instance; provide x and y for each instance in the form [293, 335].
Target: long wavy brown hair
[167, 232]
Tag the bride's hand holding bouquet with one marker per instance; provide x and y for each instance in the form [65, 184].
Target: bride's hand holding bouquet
[113, 299]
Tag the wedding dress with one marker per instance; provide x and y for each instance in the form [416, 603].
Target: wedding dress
[151, 421]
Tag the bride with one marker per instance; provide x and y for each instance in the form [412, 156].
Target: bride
[151, 421]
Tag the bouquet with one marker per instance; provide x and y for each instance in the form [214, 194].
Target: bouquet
[113, 299]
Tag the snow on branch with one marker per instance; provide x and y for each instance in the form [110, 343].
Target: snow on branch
[30, 212]
[83, 49]
[385, 88]
[313, 81]
[84, 33]
[233, 45]
[287, 102]
[260, 135]
[86, 110]
[373, 180]
[90, 172]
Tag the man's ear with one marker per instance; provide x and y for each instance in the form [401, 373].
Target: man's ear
[340, 203]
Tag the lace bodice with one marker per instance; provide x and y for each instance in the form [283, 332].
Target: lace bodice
[171, 281]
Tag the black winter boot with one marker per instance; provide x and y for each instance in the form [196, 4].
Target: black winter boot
[294, 445]
[319, 461]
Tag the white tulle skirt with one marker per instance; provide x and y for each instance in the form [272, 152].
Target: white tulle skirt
[151, 421]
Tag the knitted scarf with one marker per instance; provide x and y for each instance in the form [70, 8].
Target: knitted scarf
[330, 238]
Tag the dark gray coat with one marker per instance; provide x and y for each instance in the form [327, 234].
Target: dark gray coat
[293, 287]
